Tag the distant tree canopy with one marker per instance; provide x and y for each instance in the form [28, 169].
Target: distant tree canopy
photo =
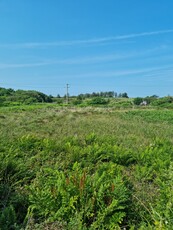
[155, 101]
[107, 94]
[162, 101]
[124, 95]
[138, 100]
[17, 97]
[23, 96]
[6, 92]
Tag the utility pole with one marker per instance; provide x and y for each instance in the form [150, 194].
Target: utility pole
[67, 94]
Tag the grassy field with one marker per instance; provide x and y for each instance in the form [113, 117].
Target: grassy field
[130, 128]
[86, 168]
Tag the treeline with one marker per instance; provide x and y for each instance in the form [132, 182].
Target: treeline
[107, 94]
[17, 97]
[10, 96]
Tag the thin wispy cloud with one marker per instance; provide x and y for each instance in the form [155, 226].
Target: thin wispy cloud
[68, 61]
[91, 41]
[25, 65]
[86, 59]
[123, 73]
[71, 61]
[147, 71]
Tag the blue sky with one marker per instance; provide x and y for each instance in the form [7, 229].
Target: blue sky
[93, 45]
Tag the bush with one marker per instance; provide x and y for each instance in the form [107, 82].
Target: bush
[163, 101]
[98, 101]
[138, 100]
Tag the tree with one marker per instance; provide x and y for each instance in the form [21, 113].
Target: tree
[138, 100]
[124, 95]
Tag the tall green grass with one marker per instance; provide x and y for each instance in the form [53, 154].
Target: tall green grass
[85, 168]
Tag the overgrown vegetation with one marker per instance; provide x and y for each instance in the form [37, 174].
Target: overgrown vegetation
[10, 97]
[85, 168]
[104, 161]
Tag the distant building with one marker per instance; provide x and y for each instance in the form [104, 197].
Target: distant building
[143, 103]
